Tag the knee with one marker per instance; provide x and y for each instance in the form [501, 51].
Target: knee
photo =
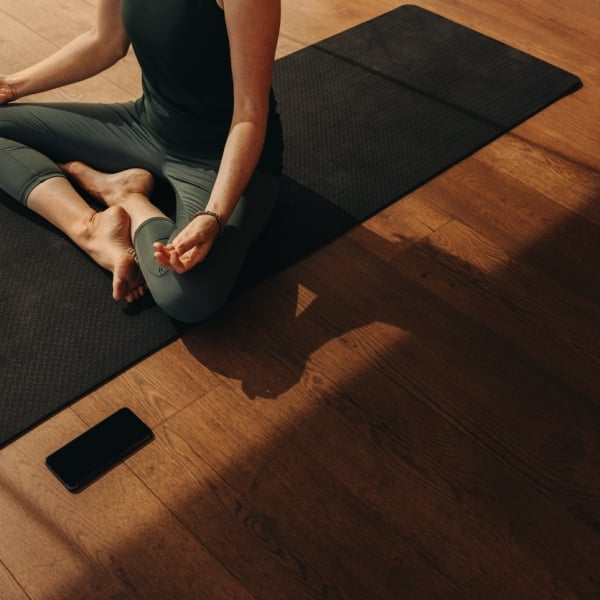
[189, 304]
[194, 311]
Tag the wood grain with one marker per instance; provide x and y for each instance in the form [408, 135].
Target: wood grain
[113, 538]
[411, 412]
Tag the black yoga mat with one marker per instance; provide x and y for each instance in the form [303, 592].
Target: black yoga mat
[369, 115]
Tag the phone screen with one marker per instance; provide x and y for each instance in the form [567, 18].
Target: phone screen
[96, 450]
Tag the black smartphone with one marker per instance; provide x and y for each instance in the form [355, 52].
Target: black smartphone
[98, 449]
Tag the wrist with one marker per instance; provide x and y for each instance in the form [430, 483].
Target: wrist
[14, 85]
[216, 218]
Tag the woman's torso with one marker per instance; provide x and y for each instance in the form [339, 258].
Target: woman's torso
[183, 51]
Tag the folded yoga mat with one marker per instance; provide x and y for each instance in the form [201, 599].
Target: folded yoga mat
[369, 115]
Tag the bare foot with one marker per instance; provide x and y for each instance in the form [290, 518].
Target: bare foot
[112, 189]
[107, 240]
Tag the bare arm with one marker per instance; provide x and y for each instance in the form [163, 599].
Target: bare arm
[252, 58]
[89, 54]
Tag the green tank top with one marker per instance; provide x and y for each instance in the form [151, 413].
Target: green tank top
[183, 51]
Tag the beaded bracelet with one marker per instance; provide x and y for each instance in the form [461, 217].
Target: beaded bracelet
[215, 216]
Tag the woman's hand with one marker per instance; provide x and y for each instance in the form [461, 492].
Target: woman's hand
[190, 247]
[8, 91]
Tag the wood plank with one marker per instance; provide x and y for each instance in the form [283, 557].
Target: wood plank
[154, 390]
[306, 535]
[477, 277]
[397, 227]
[487, 374]
[10, 588]
[410, 412]
[523, 222]
[114, 538]
[349, 432]
[306, 22]
[559, 178]
[570, 127]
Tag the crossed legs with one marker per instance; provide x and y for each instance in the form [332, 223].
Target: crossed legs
[30, 152]
[104, 235]
[35, 137]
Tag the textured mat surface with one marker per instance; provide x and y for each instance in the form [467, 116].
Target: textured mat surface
[369, 115]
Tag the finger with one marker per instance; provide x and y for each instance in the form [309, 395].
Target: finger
[195, 256]
[176, 263]
[163, 255]
[170, 261]
[162, 248]
[163, 260]
[183, 244]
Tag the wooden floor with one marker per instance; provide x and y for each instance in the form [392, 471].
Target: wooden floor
[411, 412]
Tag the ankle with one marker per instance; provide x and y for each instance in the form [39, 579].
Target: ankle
[84, 230]
[139, 209]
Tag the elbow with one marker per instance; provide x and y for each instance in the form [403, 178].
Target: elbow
[109, 49]
[117, 54]
[248, 109]
[251, 116]
[117, 51]
[122, 49]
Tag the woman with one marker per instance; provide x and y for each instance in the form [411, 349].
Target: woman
[206, 123]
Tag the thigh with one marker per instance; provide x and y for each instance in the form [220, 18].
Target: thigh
[108, 137]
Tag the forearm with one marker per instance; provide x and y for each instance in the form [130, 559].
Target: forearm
[83, 57]
[240, 157]
[252, 58]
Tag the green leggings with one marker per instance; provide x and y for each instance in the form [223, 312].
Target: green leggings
[111, 138]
